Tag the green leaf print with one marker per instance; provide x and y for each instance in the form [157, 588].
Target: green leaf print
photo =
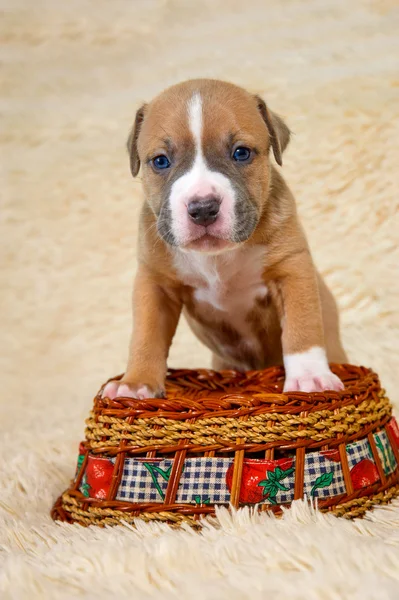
[380, 446]
[198, 500]
[85, 488]
[391, 458]
[272, 484]
[388, 457]
[153, 469]
[324, 480]
[79, 464]
[269, 487]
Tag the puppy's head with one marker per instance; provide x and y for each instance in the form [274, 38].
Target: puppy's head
[204, 147]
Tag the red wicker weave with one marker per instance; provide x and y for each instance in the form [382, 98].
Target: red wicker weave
[247, 419]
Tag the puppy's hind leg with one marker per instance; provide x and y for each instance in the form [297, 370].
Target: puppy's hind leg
[222, 364]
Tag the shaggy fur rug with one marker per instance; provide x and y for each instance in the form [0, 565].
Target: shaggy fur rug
[73, 74]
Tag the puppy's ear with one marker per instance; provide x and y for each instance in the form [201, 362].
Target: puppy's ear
[278, 130]
[132, 141]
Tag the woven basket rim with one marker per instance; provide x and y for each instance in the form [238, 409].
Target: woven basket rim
[190, 392]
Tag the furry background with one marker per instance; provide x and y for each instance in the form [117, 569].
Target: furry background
[73, 74]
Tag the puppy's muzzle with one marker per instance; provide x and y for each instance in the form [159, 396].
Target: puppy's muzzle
[204, 211]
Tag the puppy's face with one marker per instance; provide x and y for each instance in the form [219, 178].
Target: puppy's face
[204, 150]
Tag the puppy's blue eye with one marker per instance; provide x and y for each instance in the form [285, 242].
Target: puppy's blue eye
[161, 162]
[241, 154]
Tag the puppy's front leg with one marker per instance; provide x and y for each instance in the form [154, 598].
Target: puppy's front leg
[156, 312]
[305, 359]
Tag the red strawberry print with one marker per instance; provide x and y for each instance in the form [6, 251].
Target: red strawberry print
[331, 455]
[253, 472]
[394, 430]
[364, 473]
[99, 476]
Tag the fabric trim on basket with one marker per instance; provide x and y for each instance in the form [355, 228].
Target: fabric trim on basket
[385, 452]
[208, 480]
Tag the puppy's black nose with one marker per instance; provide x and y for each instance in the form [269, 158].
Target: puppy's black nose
[204, 211]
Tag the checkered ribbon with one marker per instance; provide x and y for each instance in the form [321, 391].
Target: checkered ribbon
[144, 480]
[323, 477]
[203, 479]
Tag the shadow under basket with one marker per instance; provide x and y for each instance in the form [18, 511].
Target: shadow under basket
[222, 438]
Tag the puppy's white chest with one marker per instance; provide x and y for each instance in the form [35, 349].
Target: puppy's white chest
[229, 283]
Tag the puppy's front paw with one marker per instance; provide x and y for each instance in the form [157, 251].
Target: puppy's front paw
[314, 383]
[126, 389]
[309, 372]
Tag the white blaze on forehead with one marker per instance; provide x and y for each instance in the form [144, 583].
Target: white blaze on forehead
[198, 182]
[195, 121]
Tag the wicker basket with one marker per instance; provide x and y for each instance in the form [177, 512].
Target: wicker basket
[223, 438]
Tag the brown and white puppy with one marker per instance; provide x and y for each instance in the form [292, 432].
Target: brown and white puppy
[219, 238]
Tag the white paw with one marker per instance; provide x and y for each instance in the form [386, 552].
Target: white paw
[313, 383]
[309, 372]
[118, 389]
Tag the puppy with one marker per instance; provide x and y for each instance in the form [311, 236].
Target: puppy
[220, 240]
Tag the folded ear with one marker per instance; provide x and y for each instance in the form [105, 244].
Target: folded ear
[278, 130]
[132, 141]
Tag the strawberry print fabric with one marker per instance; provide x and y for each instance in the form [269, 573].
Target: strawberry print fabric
[208, 480]
[361, 464]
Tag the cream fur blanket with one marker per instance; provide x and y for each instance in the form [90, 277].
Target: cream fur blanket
[73, 74]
